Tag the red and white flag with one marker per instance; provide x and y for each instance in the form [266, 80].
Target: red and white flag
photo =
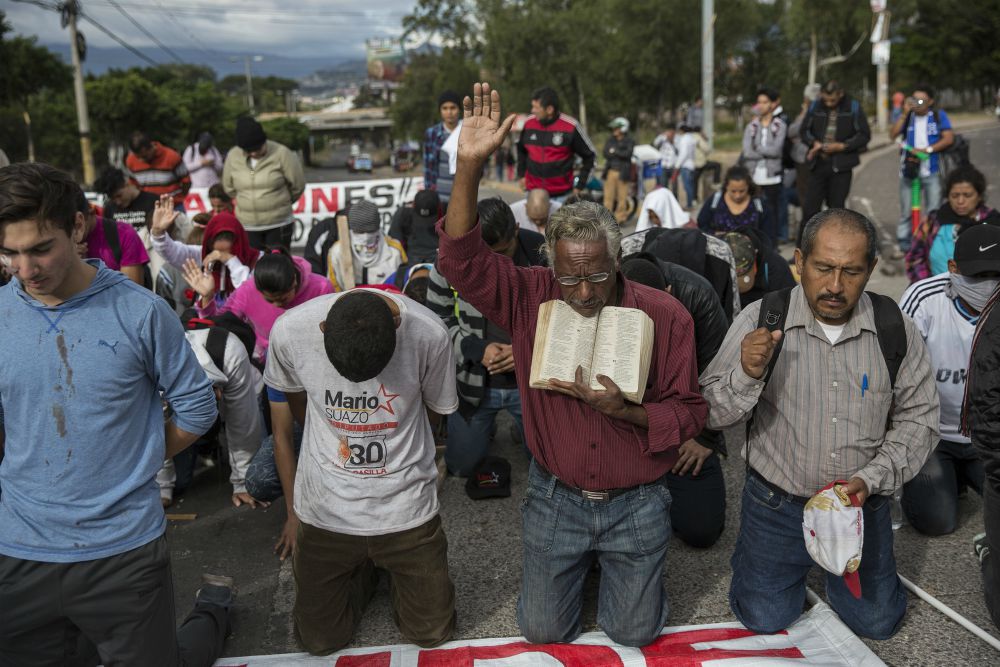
[819, 637]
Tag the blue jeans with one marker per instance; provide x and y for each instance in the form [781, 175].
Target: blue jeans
[262, 479]
[468, 441]
[930, 500]
[563, 533]
[930, 194]
[687, 178]
[770, 564]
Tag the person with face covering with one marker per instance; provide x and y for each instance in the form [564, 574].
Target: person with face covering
[946, 308]
[280, 282]
[660, 208]
[375, 256]
[934, 241]
[225, 250]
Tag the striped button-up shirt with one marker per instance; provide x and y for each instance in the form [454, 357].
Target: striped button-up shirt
[814, 422]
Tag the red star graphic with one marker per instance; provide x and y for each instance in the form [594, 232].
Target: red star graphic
[389, 398]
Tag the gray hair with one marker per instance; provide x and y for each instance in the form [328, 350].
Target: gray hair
[582, 221]
[846, 219]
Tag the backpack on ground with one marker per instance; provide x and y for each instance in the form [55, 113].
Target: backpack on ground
[220, 326]
[115, 243]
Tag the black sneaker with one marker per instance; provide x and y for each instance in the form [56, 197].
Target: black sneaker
[980, 546]
[216, 589]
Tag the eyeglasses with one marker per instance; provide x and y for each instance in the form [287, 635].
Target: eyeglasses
[572, 281]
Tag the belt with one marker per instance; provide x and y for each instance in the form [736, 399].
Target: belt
[600, 496]
[777, 490]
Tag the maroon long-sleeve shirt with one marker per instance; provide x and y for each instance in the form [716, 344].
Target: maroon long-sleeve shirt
[578, 444]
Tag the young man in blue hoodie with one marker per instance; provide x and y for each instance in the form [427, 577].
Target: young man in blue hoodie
[89, 359]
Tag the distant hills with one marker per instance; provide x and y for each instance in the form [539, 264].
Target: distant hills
[319, 71]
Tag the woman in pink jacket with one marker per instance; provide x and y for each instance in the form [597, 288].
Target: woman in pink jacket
[280, 281]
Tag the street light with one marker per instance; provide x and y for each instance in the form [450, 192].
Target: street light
[246, 71]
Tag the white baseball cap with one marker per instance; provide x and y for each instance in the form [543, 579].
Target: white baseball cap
[834, 528]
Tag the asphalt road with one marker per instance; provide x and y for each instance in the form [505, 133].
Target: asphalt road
[484, 536]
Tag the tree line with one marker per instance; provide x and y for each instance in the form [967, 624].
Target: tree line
[642, 58]
[173, 103]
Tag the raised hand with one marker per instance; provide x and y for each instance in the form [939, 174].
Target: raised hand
[163, 215]
[201, 282]
[483, 131]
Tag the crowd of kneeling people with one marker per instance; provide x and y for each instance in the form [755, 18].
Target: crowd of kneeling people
[335, 399]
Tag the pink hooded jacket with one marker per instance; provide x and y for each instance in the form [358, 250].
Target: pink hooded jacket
[249, 304]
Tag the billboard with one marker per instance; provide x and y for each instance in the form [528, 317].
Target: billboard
[385, 59]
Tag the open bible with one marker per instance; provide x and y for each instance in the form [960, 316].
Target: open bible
[617, 344]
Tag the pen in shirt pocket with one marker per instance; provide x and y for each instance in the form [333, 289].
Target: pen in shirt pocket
[864, 384]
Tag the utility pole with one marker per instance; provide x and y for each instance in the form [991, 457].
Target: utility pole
[249, 77]
[708, 68]
[880, 58]
[70, 10]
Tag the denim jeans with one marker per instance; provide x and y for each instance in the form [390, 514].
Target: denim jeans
[563, 533]
[468, 441]
[687, 178]
[930, 500]
[262, 479]
[770, 565]
[930, 191]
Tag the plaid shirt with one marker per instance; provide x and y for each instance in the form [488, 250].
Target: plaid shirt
[434, 138]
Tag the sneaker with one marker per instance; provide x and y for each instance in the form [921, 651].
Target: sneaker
[980, 546]
[216, 589]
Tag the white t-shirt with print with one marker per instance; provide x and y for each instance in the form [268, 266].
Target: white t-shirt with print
[948, 334]
[367, 461]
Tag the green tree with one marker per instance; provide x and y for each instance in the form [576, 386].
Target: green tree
[27, 71]
[414, 107]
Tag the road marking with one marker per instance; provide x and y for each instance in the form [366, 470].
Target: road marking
[281, 627]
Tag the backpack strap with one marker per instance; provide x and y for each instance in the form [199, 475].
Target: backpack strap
[216, 346]
[891, 333]
[773, 312]
[716, 198]
[111, 236]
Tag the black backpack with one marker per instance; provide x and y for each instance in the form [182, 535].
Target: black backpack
[321, 238]
[220, 326]
[115, 243]
[889, 328]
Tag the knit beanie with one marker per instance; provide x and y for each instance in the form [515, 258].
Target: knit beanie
[249, 134]
[450, 96]
[363, 217]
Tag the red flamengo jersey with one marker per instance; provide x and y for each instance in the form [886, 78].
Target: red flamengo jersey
[546, 153]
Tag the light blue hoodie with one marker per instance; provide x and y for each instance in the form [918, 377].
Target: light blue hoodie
[80, 408]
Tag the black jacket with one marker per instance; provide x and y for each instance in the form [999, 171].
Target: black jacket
[852, 129]
[983, 391]
[618, 153]
[710, 324]
[773, 272]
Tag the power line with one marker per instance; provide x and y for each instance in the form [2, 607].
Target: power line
[188, 35]
[136, 52]
[58, 7]
[147, 33]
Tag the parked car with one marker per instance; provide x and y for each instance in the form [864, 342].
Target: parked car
[360, 162]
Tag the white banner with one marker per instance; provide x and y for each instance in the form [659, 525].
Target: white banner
[819, 637]
[323, 200]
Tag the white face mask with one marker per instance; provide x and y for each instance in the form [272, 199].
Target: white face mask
[974, 291]
[365, 245]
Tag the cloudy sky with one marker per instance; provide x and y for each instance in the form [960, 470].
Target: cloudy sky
[334, 29]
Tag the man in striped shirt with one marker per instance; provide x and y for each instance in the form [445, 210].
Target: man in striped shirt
[157, 169]
[596, 488]
[828, 412]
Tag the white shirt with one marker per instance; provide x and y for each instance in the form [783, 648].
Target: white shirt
[686, 144]
[520, 209]
[920, 140]
[948, 334]
[668, 152]
[367, 460]
[833, 331]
